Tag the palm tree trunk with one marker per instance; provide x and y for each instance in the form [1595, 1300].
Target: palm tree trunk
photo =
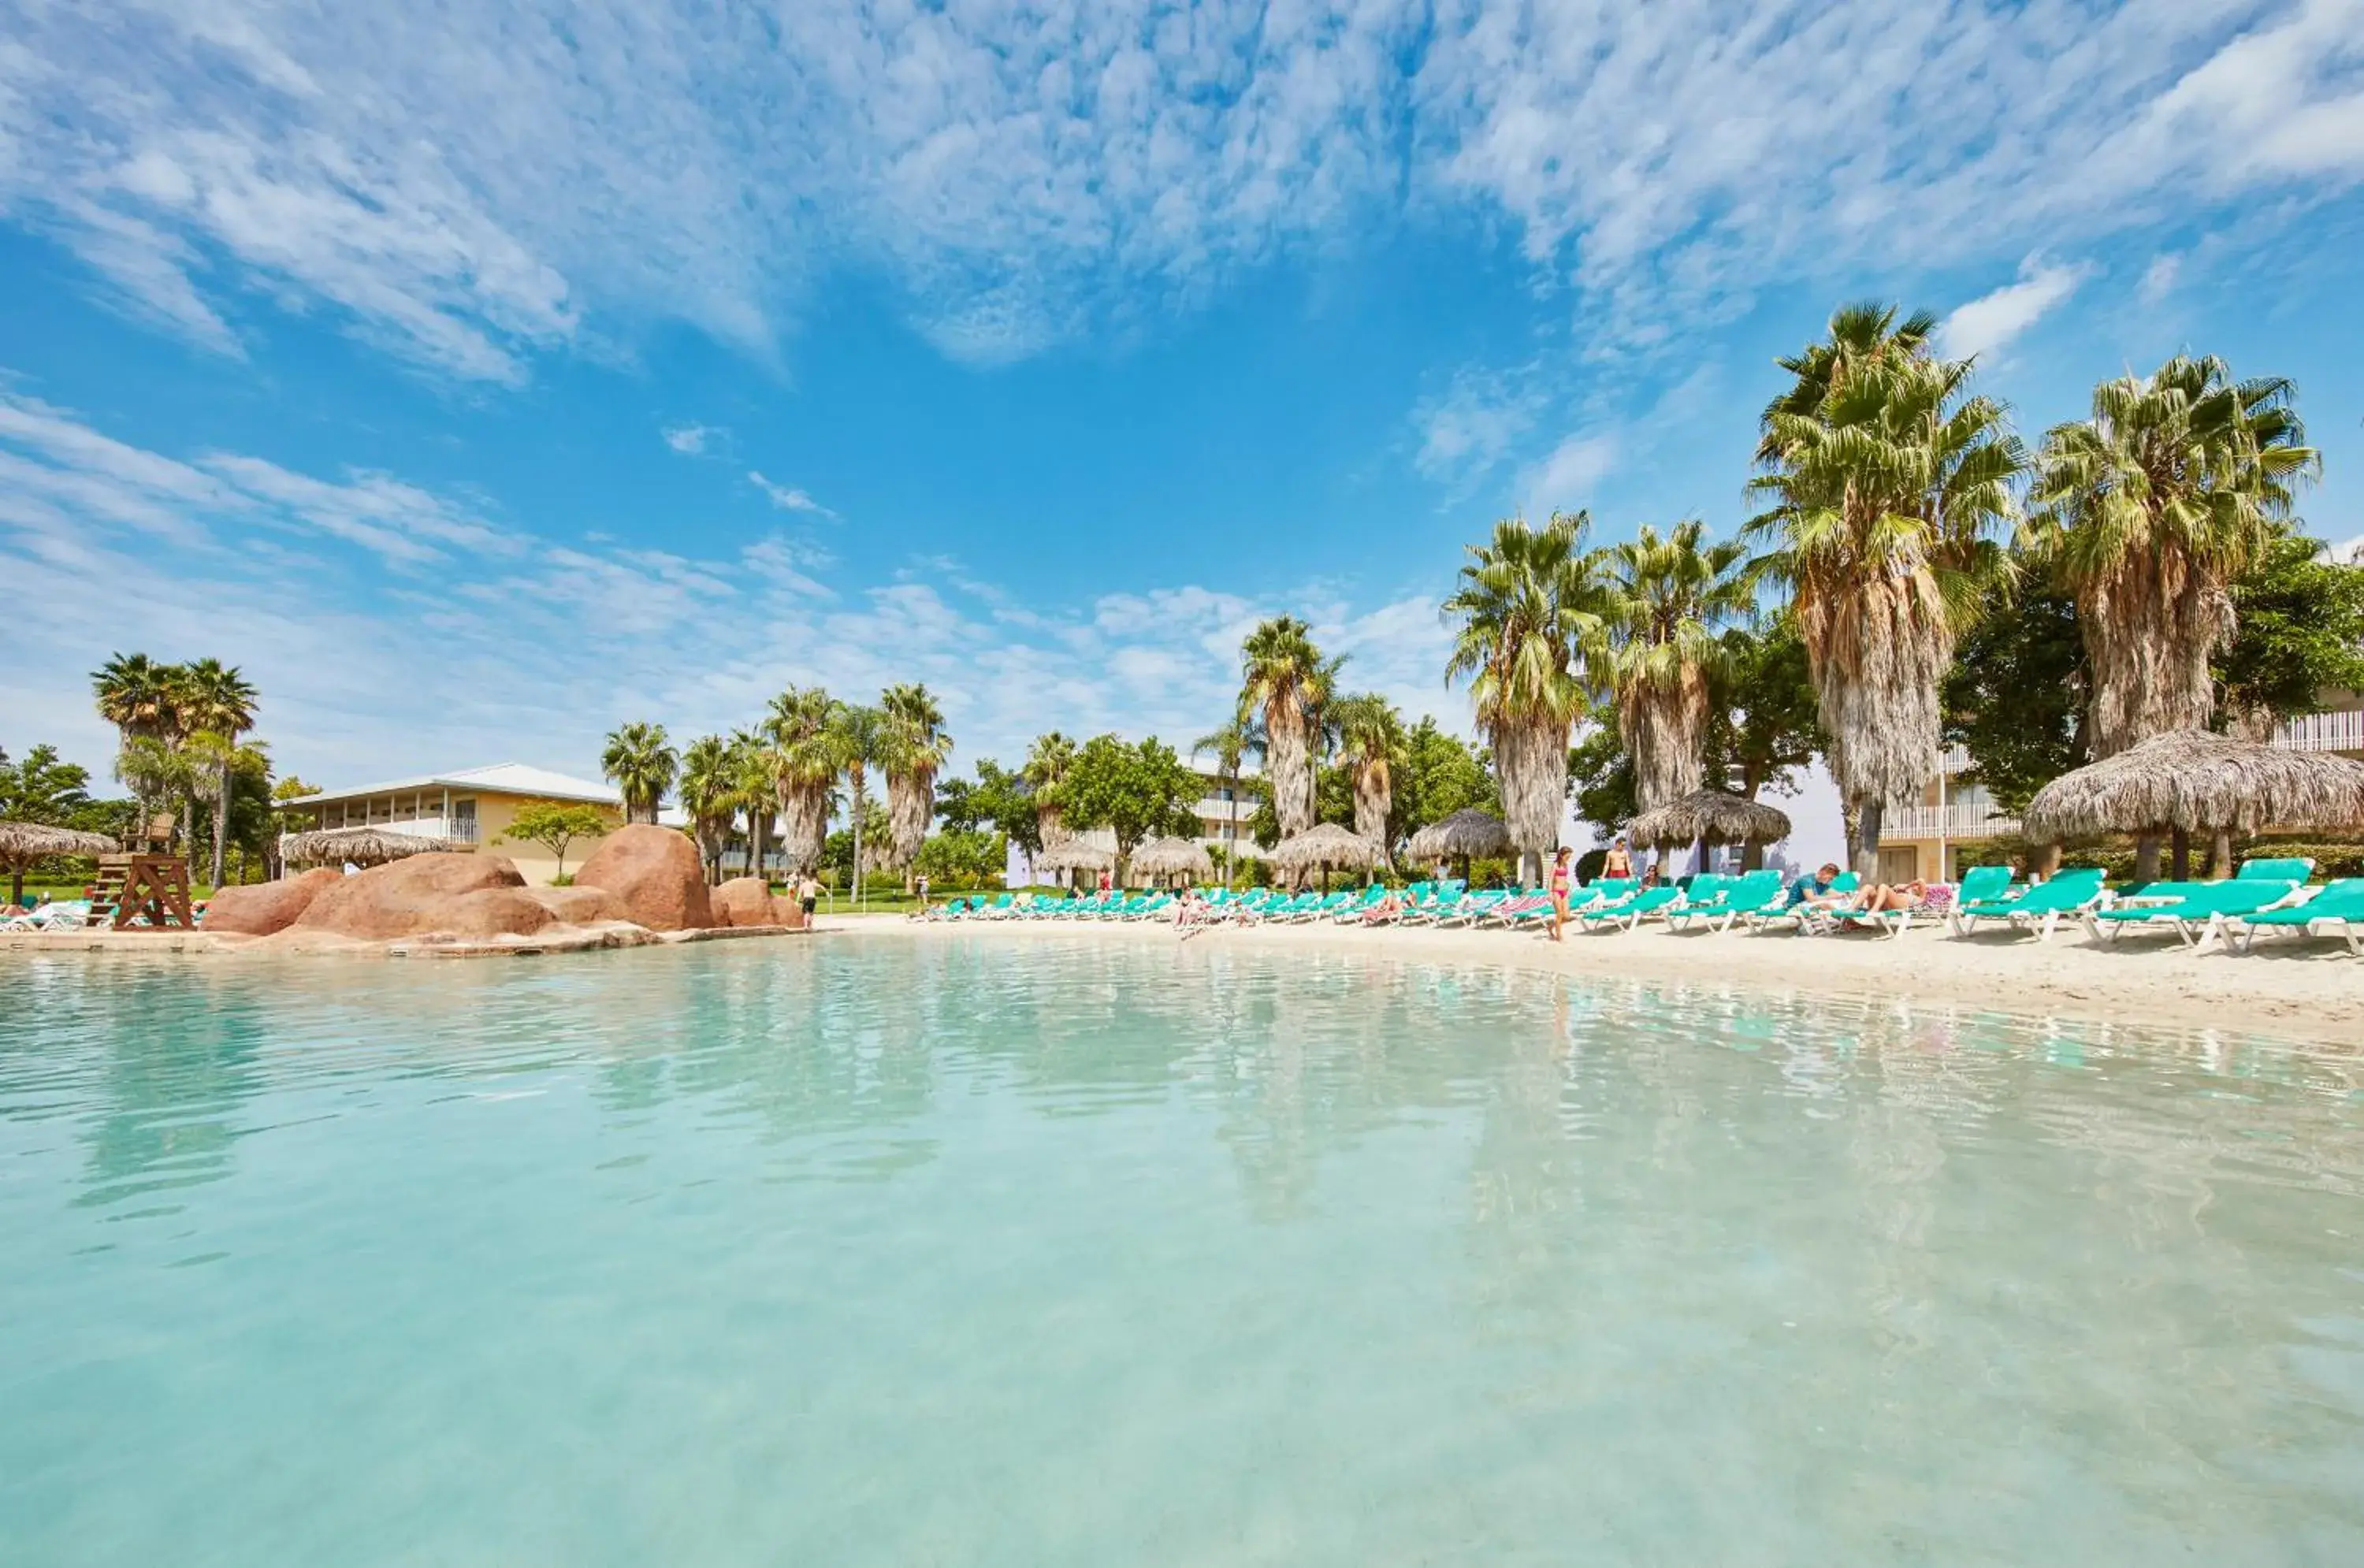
[2181, 839]
[2220, 853]
[2146, 849]
[1867, 847]
[221, 819]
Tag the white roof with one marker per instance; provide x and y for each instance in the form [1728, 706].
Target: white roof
[501, 778]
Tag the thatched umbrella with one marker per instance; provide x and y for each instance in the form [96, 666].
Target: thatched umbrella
[1327, 845]
[1711, 815]
[1172, 857]
[1461, 835]
[1073, 854]
[362, 846]
[22, 843]
[2194, 781]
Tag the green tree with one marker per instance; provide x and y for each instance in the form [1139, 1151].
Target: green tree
[1762, 725]
[42, 788]
[156, 771]
[1600, 778]
[1285, 685]
[1371, 751]
[857, 741]
[1528, 599]
[1048, 763]
[642, 765]
[134, 694]
[1136, 792]
[799, 730]
[913, 749]
[2017, 695]
[1662, 603]
[1885, 477]
[555, 827]
[709, 796]
[1441, 774]
[211, 697]
[959, 857]
[2299, 621]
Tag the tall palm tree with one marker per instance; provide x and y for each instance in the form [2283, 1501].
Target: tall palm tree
[156, 771]
[709, 796]
[1284, 683]
[1884, 496]
[754, 770]
[1526, 604]
[1371, 746]
[1663, 602]
[797, 728]
[1864, 336]
[2152, 509]
[914, 750]
[135, 695]
[857, 741]
[210, 697]
[1230, 747]
[1048, 763]
[642, 765]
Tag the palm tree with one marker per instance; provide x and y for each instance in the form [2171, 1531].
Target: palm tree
[857, 738]
[1048, 763]
[1526, 604]
[914, 750]
[1864, 336]
[209, 697]
[1371, 746]
[753, 769]
[1230, 747]
[639, 763]
[1663, 601]
[1883, 498]
[1284, 683]
[797, 728]
[709, 796]
[155, 770]
[135, 695]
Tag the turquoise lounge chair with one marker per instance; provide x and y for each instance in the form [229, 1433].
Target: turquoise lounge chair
[2194, 911]
[1733, 897]
[1624, 914]
[2039, 909]
[2339, 905]
[1797, 916]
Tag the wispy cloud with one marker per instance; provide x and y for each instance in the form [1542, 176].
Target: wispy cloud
[471, 182]
[690, 441]
[787, 498]
[1988, 324]
[488, 641]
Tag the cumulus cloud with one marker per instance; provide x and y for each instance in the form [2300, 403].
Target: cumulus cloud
[471, 182]
[1986, 325]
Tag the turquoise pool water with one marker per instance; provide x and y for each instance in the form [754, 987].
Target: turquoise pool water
[1071, 1253]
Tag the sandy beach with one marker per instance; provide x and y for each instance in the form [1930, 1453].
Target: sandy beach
[2312, 991]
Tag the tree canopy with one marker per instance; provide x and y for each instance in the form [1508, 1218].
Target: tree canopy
[1136, 792]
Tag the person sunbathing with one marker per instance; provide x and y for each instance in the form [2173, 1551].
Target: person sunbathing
[1883, 899]
[1818, 891]
[1386, 910]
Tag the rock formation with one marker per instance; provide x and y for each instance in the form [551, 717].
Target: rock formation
[416, 894]
[580, 906]
[266, 906]
[654, 874]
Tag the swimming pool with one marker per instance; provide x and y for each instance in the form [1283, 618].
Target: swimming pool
[1076, 1251]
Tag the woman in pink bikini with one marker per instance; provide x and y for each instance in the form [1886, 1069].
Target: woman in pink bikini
[1562, 879]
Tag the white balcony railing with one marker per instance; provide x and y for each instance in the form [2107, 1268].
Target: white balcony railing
[2341, 731]
[1980, 821]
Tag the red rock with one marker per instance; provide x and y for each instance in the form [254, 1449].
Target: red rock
[407, 897]
[742, 901]
[655, 873]
[493, 912]
[787, 911]
[267, 907]
[580, 906]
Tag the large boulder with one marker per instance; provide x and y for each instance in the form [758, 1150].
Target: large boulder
[743, 901]
[654, 873]
[407, 897]
[267, 907]
[580, 906]
[493, 912]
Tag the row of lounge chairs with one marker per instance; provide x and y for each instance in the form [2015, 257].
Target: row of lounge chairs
[2268, 896]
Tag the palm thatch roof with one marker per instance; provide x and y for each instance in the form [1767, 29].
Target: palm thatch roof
[1172, 857]
[26, 842]
[1327, 844]
[2198, 781]
[1073, 854]
[1467, 832]
[1711, 815]
[362, 846]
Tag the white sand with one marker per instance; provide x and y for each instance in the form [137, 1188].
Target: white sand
[2312, 990]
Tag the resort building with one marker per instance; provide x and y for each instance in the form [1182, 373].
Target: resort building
[1919, 838]
[473, 808]
[1222, 810]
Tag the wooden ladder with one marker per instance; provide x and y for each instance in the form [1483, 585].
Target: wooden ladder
[132, 885]
[106, 896]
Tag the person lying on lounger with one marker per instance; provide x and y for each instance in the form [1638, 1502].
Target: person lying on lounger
[1815, 892]
[1881, 899]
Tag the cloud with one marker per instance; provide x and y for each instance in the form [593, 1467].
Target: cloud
[474, 183]
[1564, 480]
[2160, 278]
[486, 641]
[787, 498]
[1477, 422]
[1988, 324]
[689, 441]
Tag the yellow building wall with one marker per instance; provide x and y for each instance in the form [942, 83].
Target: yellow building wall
[495, 814]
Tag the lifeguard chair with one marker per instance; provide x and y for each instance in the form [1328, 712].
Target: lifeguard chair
[144, 879]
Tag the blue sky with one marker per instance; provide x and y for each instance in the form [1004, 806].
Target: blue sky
[479, 375]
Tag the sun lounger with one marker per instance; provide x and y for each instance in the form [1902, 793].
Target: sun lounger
[2338, 908]
[1624, 914]
[2194, 911]
[1797, 915]
[2039, 909]
[1726, 902]
[1473, 908]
